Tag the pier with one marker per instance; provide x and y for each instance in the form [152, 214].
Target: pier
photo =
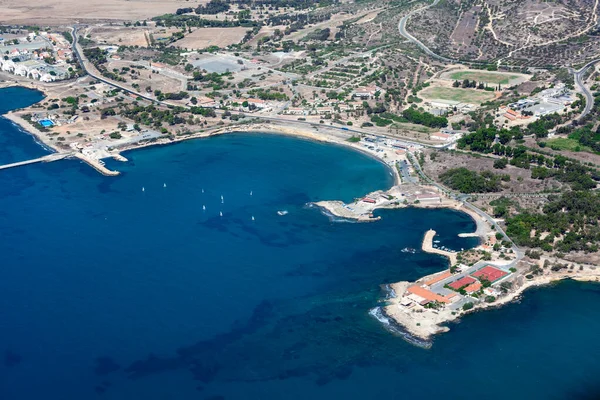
[48, 158]
[428, 247]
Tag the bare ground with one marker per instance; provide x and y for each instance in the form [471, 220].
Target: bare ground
[520, 181]
[59, 12]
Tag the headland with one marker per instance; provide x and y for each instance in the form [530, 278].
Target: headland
[490, 275]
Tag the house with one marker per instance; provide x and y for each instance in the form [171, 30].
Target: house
[429, 295]
[438, 278]
[296, 111]
[324, 110]
[257, 102]
[441, 136]
[473, 288]
[366, 92]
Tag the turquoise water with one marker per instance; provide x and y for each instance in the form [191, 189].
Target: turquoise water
[108, 291]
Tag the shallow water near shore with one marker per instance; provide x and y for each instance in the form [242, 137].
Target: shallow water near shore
[108, 291]
[15, 144]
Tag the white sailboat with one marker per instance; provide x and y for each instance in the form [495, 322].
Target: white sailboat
[253, 218]
[143, 189]
[164, 185]
[203, 208]
[220, 213]
[222, 201]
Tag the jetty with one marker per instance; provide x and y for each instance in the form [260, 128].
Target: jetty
[48, 158]
[428, 247]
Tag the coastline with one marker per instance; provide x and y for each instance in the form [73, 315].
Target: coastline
[423, 324]
[417, 328]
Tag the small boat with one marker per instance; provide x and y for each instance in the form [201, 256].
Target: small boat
[253, 218]
[220, 213]
[164, 185]
[282, 212]
[251, 193]
[222, 201]
[143, 189]
[203, 208]
[202, 190]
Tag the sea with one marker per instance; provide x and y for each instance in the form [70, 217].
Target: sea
[179, 279]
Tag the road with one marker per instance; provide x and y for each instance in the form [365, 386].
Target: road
[589, 98]
[463, 199]
[402, 30]
[90, 70]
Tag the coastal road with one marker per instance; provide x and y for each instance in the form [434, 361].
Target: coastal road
[91, 71]
[463, 199]
[589, 98]
[402, 30]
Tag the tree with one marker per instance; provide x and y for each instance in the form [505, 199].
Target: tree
[501, 163]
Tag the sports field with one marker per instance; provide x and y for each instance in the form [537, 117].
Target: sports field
[471, 96]
[487, 77]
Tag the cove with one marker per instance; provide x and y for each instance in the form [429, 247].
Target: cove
[16, 144]
[112, 292]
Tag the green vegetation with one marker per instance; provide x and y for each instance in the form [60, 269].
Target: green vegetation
[457, 94]
[480, 76]
[566, 144]
[571, 221]
[424, 118]
[467, 181]
[542, 166]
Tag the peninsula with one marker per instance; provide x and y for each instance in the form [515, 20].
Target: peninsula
[509, 137]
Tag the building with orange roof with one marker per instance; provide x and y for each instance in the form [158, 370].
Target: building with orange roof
[474, 287]
[438, 278]
[428, 294]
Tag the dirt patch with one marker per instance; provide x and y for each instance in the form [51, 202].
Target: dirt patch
[520, 179]
[206, 37]
[464, 32]
[55, 12]
[471, 96]
[121, 36]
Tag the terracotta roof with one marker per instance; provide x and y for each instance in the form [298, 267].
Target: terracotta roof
[427, 294]
[472, 288]
[438, 278]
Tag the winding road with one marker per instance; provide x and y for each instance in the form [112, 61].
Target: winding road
[589, 98]
[402, 30]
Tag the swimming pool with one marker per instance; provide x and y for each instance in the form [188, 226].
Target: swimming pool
[46, 123]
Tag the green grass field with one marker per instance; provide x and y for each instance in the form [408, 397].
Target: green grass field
[482, 76]
[567, 144]
[472, 96]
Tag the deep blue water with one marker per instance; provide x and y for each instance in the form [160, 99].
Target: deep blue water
[108, 291]
[15, 144]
